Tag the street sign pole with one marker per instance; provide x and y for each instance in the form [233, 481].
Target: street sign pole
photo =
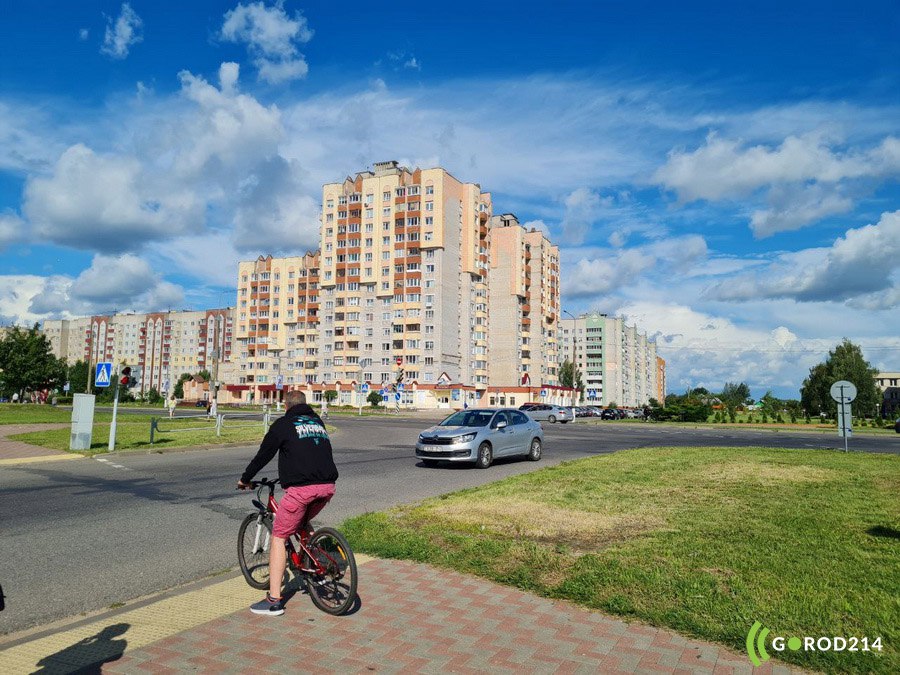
[112, 427]
[844, 393]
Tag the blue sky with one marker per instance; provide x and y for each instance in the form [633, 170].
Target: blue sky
[726, 177]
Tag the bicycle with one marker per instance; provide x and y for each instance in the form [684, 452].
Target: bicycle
[322, 559]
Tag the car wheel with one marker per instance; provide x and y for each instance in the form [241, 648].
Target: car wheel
[534, 454]
[552, 419]
[485, 456]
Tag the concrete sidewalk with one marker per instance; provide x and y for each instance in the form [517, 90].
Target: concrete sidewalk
[410, 618]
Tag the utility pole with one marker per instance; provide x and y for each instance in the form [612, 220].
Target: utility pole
[574, 329]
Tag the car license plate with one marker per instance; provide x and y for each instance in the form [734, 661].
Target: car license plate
[433, 448]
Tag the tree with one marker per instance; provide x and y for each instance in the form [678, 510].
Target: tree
[844, 362]
[374, 399]
[734, 396]
[570, 377]
[330, 396]
[77, 377]
[27, 362]
[205, 375]
[179, 386]
[153, 396]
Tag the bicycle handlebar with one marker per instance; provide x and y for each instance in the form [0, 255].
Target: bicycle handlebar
[263, 482]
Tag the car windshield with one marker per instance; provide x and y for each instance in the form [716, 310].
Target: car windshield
[468, 418]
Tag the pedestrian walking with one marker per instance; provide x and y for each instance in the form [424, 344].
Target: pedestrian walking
[213, 408]
[172, 403]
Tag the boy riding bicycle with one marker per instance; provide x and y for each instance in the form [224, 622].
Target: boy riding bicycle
[307, 473]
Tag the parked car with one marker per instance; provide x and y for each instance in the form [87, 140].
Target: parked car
[550, 413]
[609, 414]
[480, 435]
[594, 411]
[897, 426]
[526, 406]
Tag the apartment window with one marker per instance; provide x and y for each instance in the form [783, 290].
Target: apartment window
[429, 220]
[429, 189]
[386, 196]
[429, 206]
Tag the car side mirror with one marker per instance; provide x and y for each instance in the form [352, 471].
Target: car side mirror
[501, 424]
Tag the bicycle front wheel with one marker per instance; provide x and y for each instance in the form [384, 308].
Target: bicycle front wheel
[334, 591]
[254, 539]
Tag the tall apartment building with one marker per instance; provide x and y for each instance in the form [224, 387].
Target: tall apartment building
[524, 305]
[159, 346]
[618, 364]
[404, 272]
[277, 325]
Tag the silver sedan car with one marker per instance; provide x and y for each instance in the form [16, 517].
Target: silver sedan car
[479, 435]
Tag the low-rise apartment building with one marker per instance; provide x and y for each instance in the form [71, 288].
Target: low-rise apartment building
[888, 384]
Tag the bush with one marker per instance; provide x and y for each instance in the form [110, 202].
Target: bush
[374, 399]
[154, 397]
[330, 396]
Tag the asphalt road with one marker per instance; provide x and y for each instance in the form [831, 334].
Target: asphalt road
[82, 535]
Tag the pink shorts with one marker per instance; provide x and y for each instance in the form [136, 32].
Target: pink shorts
[299, 503]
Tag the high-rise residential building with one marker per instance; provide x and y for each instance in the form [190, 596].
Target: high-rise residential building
[617, 362]
[159, 347]
[404, 278]
[524, 305]
[276, 336]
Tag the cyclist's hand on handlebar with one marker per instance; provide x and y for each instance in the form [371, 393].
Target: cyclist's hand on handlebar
[243, 486]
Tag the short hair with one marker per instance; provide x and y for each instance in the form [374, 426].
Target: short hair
[294, 397]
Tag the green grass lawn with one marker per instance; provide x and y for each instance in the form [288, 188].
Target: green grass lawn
[702, 540]
[39, 414]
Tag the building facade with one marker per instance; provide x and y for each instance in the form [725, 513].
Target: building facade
[159, 347]
[276, 335]
[523, 300]
[617, 362]
[889, 386]
[404, 278]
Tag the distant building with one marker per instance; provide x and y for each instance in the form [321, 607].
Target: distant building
[889, 384]
[159, 346]
[617, 362]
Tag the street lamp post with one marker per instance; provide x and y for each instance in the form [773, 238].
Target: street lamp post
[573, 346]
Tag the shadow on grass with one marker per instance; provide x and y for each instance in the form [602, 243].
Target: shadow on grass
[885, 532]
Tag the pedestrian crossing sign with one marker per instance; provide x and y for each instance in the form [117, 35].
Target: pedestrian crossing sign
[103, 374]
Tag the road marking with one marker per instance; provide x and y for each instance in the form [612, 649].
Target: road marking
[146, 624]
[15, 461]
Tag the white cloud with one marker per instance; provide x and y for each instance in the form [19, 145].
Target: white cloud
[610, 271]
[860, 263]
[12, 229]
[104, 202]
[725, 169]
[538, 225]
[122, 33]
[412, 63]
[83, 34]
[271, 37]
[582, 211]
[112, 283]
[792, 207]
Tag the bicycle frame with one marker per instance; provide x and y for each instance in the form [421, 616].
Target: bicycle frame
[294, 558]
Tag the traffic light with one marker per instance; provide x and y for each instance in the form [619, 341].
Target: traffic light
[126, 376]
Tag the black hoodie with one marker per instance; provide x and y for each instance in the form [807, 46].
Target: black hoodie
[305, 457]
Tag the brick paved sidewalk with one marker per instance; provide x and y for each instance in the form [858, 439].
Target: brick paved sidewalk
[15, 450]
[415, 618]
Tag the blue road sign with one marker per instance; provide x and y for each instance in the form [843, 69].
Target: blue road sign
[400, 387]
[543, 393]
[397, 396]
[103, 374]
[279, 382]
[365, 388]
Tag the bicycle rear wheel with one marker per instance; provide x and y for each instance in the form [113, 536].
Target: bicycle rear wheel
[254, 539]
[334, 591]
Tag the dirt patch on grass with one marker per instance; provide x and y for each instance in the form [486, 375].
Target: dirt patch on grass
[770, 474]
[541, 522]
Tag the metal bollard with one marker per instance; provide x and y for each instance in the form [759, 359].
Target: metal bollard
[219, 420]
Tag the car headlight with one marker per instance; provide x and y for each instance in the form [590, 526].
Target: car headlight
[421, 440]
[465, 438]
